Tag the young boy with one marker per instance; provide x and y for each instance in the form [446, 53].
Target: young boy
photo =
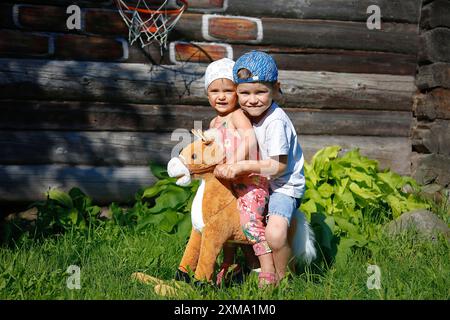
[256, 76]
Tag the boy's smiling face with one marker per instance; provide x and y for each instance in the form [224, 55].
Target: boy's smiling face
[255, 98]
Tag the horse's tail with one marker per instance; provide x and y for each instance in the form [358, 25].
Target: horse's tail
[302, 244]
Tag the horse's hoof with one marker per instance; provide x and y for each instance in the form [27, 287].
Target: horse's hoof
[182, 276]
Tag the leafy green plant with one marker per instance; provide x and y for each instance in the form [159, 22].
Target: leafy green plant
[166, 204]
[59, 213]
[348, 199]
[66, 211]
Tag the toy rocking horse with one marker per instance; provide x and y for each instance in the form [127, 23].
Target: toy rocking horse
[214, 213]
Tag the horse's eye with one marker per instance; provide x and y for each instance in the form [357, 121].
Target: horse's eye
[194, 156]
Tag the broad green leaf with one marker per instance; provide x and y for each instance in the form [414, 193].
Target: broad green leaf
[325, 190]
[341, 186]
[158, 170]
[94, 211]
[169, 220]
[311, 175]
[315, 195]
[172, 197]
[413, 204]
[396, 205]
[322, 157]
[149, 219]
[344, 250]
[359, 176]
[80, 200]
[346, 226]
[73, 216]
[362, 192]
[337, 171]
[156, 188]
[309, 207]
[393, 180]
[184, 226]
[331, 223]
[323, 233]
[61, 197]
[346, 200]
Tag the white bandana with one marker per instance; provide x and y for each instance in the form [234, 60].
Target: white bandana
[219, 69]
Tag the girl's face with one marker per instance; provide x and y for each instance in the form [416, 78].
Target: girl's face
[255, 98]
[222, 95]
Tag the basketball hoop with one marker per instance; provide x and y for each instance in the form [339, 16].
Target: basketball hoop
[150, 20]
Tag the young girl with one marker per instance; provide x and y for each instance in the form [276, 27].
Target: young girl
[238, 139]
[256, 75]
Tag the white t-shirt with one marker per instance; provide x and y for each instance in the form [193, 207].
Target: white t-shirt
[276, 136]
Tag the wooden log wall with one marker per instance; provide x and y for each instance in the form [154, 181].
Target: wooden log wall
[431, 129]
[85, 108]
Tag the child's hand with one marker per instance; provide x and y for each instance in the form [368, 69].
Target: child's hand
[227, 171]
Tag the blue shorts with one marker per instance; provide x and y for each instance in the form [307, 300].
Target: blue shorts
[283, 205]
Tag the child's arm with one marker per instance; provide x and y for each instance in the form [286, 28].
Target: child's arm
[272, 167]
[247, 135]
[278, 143]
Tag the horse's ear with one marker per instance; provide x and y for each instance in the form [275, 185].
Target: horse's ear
[197, 133]
[209, 136]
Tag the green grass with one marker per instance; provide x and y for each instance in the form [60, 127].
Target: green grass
[37, 270]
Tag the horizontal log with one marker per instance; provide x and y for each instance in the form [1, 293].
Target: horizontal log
[400, 38]
[431, 168]
[81, 116]
[15, 43]
[305, 59]
[391, 152]
[103, 184]
[6, 16]
[354, 122]
[104, 22]
[25, 44]
[86, 148]
[433, 75]
[435, 45]
[183, 84]
[431, 137]
[79, 47]
[89, 116]
[106, 184]
[346, 10]
[432, 105]
[435, 14]
[40, 18]
[137, 149]
[80, 3]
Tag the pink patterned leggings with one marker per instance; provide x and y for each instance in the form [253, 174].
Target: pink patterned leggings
[253, 196]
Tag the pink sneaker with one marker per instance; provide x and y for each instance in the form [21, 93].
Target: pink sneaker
[267, 279]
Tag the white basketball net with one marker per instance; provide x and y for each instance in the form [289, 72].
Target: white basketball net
[149, 24]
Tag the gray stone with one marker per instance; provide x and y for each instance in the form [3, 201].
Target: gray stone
[426, 224]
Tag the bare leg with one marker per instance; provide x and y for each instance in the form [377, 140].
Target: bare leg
[267, 263]
[276, 236]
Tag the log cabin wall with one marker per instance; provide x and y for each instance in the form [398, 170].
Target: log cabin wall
[431, 128]
[84, 108]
